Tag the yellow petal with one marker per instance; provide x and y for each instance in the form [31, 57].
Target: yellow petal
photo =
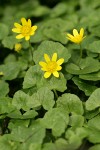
[82, 32]
[17, 25]
[17, 30]
[43, 64]
[47, 74]
[20, 36]
[32, 33]
[56, 74]
[58, 68]
[70, 36]
[75, 32]
[34, 28]
[29, 22]
[27, 37]
[60, 61]
[24, 22]
[47, 59]
[54, 57]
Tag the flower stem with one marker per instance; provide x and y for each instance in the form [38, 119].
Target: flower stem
[80, 54]
[56, 95]
[80, 51]
[31, 51]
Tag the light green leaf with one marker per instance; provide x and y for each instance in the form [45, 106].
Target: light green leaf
[49, 48]
[3, 31]
[10, 70]
[35, 146]
[74, 141]
[20, 100]
[58, 10]
[6, 105]
[33, 75]
[84, 86]
[94, 47]
[57, 120]
[18, 115]
[9, 41]
[61, 144]
[44, 97]
[93, 129]
[95, 147]
[76, 121]
[55, 34]
[49, 146]
[86, 65]
[28, 135]
[4, 88]
[91, 76]
[94, 100]
[71, 103]
[7, 144]
[53, 83]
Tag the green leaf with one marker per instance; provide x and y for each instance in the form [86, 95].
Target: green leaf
[61, 144]
[58, 10]
[10, 70]
[57, 120]
[6, 105]
[50, 48]
[74, 141]
[7, 144]
[53, 83]
[86, 65]
[16, 114]
[49, 146]
[71, 103]
[95, 147]
[4, 88]
[76, 121]
[23, 134]
[34, 146]
[94, 47]
[34, 77]
[93, 101]
[93, 129]
[55, 34]
[84, 86]
[43, 97]
[9, 42]
[91, 76]
[75, 138]
[20, 100]
[3, 31]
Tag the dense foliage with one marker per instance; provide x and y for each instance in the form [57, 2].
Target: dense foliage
[59, 112]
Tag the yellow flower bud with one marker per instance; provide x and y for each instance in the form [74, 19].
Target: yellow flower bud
[18, 47]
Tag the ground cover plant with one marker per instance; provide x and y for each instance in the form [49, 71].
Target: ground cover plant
[50, 75]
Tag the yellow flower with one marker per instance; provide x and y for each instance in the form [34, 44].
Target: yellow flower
[25, 30]
[76, 37]
[1, 73]
[51, 66]
[18, 47]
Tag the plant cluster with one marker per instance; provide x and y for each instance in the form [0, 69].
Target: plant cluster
[50, 75]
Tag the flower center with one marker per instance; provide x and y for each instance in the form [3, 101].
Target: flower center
[25, 30]
[78, 38]
[51, 66]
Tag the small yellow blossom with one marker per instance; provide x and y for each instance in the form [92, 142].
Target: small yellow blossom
[76, 37]
[51, 66]
[24, 30]
[18, 47]
[1, 73]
